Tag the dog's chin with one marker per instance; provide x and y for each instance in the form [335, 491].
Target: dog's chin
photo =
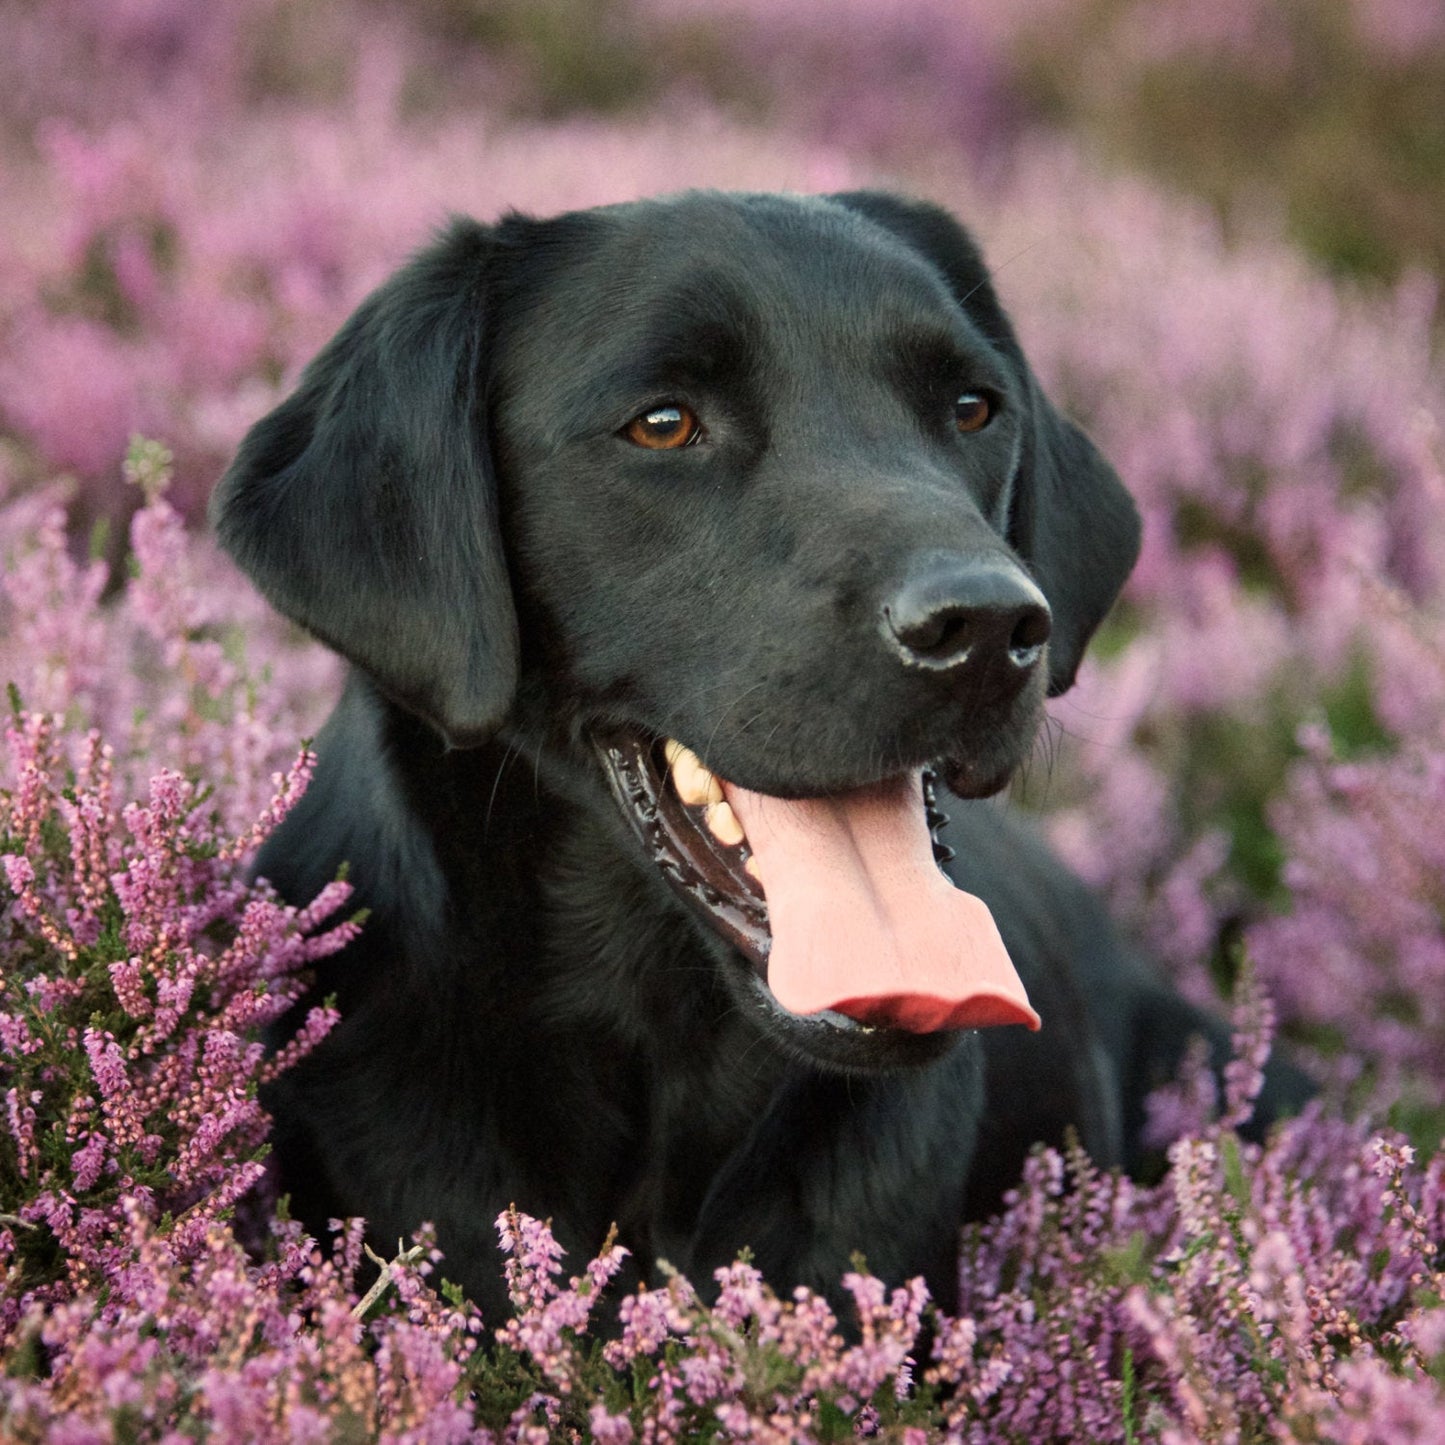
[714, 870]
[832, 1041]
[976, 777]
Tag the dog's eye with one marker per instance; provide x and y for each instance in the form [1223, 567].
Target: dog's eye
[972, 412]
[664, 428]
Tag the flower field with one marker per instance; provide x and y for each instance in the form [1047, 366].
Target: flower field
[1246, 317]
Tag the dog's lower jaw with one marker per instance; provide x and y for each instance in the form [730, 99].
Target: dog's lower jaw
[855, 946]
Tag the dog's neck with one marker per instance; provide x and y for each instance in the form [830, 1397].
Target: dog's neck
[682, 1079]
[639, 987]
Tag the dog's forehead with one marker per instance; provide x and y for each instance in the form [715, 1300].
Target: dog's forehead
[807, 249]
[714, 266]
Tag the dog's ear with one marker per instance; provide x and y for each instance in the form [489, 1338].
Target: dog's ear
[1070, 518]
[364, 506]
[1077, 528]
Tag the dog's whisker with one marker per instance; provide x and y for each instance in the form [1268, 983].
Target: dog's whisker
[510, 751]
[731, 707]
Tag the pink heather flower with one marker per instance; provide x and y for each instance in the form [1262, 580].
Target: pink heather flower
[602, 1270]
[524, 1430]
[1194, 1163]
[32, 904]
[709, 1374]
[534, 1257]
[889, 1328]
[548, 1318]
[128, 979]
[1253, 1039]
[107, 1063]
[609, 1429]
[953, 1346]
[807, 1330]
[742, 1296]
[318, 1023]
[648, 1318]
[1187, 1105]
[21, 1118]
[19, 872]
[89, 1161]
[16, 1039]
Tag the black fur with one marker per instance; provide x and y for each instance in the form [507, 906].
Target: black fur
[530, 1014]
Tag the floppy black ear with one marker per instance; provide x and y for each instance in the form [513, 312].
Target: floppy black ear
[1077, 528]
[364, 506]
[1070, 520]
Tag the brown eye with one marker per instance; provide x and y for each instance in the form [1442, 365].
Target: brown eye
[972, 412]
[664, 428]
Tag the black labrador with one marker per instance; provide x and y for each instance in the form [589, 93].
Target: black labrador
[685, 552]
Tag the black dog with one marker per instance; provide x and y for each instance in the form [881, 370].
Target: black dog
[681, 550]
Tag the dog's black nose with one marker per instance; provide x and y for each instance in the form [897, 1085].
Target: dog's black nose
[951, 612]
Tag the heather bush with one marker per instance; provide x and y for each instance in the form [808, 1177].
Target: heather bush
[139, 964]
[1325, 111]
[174, 290]
[1321, 111]
[1289, 600]
[196, 195]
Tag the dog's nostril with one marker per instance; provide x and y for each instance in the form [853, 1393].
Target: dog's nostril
[941, 639]
[942, 634]
[953, 613]
[1031, 632]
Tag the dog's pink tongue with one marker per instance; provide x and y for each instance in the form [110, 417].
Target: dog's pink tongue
[864, 923]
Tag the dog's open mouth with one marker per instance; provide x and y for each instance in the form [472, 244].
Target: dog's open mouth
[837, 901]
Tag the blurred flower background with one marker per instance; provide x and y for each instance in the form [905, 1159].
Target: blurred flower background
[1221, 229]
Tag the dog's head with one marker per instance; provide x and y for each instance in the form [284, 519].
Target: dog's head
[751, 500]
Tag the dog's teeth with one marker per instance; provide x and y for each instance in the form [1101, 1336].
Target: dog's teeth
[751, 868]
[723, 824]
[695, 785]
